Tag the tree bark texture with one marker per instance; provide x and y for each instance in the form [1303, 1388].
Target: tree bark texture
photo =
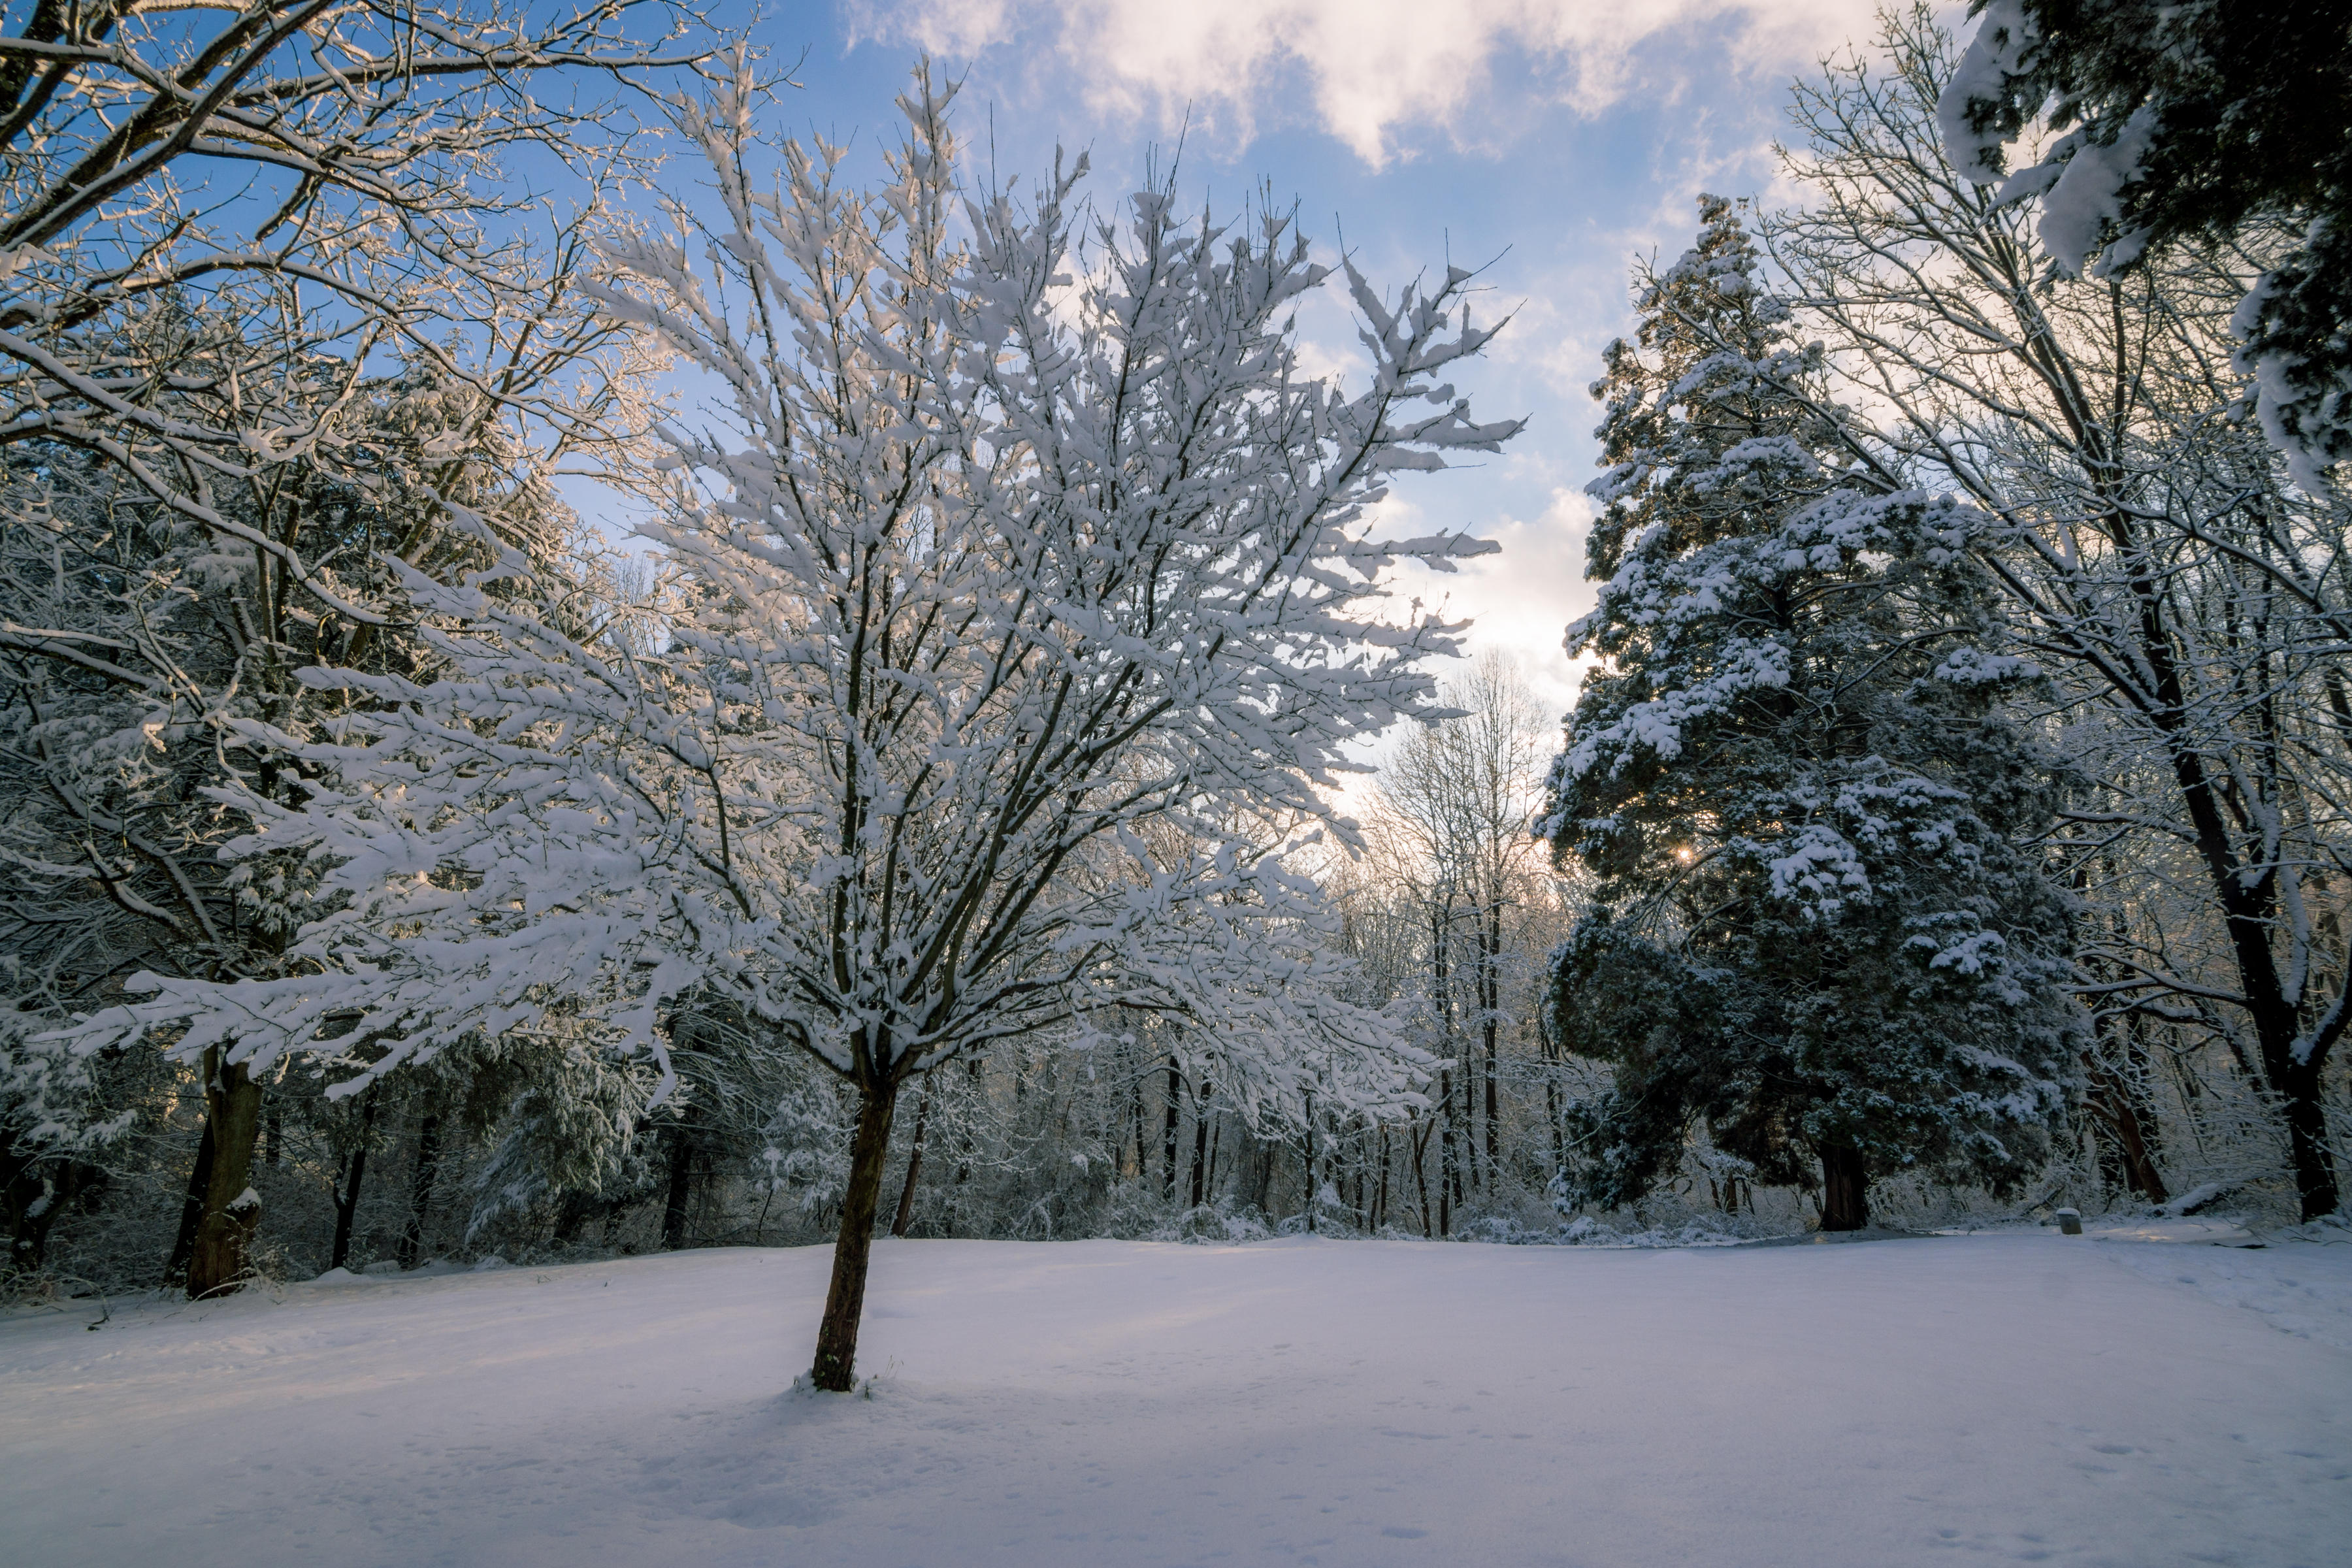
[1845, 1190]
[192, 1210]
[2121, 1123]
[1310, 1163]
[1167, 1133]
[844, 1301]
[1421, 1178]
[2249, 910]
[347, 1202]
[1135, 1111]
[224, 1247]
[1490, 1002]
[681, 1183]
[420, 1189]
[906, 1214]
[1200, 1147]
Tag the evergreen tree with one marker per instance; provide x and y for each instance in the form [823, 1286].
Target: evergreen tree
[1819, 923]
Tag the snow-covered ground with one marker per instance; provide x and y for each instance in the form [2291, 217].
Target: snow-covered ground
[2020, 1395]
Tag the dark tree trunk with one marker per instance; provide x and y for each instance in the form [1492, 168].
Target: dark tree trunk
[1167, 1133]
[224, 1248]
[2125, 1131]
[572, 1215]
[27, 1180]
[1380, 1201]
[347, 1202]
[1493, 1115]
[1490, 985]
[1559, 1130]
[965, 1144]
[844, 1301]
[1420, 1179]
[1551, 1058]
[347, 1205]
[2250, 909]
[1310, 1163]
[914, 1163]
[1216, 1147]
[192, 1209]
[679, 1192]
[1449, 1161]
[420, 1189]
[1135, 1115]
[2307, 1127]
[1845, 1190]
[1199, 1143]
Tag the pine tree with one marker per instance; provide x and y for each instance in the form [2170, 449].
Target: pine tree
[1818, 924]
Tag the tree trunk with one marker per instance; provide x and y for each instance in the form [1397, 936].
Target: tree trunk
[223, 1246]
[914, 1163]
[1167, 1133]
[2120, 1120]
[1449, 1162]
[420, 1189]
[1494, 1116]
[192, 1209]
[571, 1211]
[1199, 1143]
[680, 1190]
[1490, 985]
[1551, 1057]
[2307, 1129]
[2250, 911]
[347, 1202]
[1845, 1201]
[1216, 1145]
[1135, 1115]
[1310, 1163]
[1421, 1178]
[844, 1301]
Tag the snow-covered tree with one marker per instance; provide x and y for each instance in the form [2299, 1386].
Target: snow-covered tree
[226, 402]
[2201, 122]
[1008, 626]
[2186, 600]
[54, 1119]
[1821, 925]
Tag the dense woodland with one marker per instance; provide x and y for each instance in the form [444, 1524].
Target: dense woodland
[941, 817]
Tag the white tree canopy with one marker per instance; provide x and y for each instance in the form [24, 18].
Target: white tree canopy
[1005, 638]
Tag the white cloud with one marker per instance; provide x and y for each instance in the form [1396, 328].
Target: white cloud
[1519, 600]
[1371, 67]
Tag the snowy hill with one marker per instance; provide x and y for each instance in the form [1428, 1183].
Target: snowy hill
[2022, 1395]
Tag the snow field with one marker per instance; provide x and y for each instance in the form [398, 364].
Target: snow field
[2014, 1396]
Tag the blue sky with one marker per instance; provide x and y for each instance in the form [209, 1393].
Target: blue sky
[1550, 139]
